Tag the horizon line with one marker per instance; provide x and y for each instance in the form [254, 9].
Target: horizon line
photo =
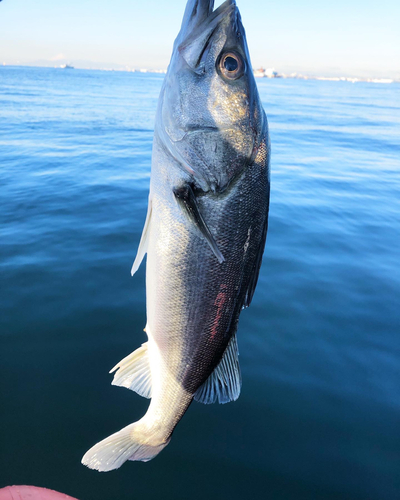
[128, 69]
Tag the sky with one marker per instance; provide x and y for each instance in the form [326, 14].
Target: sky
[312, 37]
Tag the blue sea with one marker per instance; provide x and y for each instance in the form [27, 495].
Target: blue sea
[319, 413]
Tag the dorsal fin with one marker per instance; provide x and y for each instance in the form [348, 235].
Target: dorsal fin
[256, 268]
[225, 382]
[261, 160]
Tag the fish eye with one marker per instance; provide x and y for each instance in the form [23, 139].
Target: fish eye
[231, 66]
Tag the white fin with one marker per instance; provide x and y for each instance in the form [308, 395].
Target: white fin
[143, 241]
[134, 372]
[225, 382]
[124, 445]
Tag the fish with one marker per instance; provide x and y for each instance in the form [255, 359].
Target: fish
[204, 233]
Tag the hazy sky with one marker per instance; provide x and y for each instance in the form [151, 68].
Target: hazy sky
[335, 37]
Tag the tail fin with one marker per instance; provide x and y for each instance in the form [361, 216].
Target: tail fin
[115, 450]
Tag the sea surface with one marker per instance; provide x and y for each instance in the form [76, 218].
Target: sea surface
[319, 413]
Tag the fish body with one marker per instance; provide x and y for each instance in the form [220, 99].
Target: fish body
[204, 234]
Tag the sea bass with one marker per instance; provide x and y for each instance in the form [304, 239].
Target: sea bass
[204, 233]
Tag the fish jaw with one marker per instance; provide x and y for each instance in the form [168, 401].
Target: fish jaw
[196, 12]
[198, 16]
[193, 45]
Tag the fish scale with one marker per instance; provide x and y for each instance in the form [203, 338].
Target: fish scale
[204, 234]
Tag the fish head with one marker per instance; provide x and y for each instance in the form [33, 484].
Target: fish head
[210, 114]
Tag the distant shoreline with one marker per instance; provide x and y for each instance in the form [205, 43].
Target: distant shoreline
[258, 73]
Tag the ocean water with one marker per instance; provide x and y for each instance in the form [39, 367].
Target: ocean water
[319, 413]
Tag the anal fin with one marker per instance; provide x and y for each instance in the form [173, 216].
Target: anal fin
[225, 382]
[133, 372]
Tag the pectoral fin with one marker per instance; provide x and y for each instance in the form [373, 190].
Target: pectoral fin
[187, 201]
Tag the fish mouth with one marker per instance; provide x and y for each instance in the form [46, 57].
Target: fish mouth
[199, 23]
[198, 26]
[224, 6]
[198, 11]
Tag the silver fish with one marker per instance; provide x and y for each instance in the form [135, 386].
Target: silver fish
[204, 234]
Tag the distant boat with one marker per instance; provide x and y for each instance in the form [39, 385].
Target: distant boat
[66, 66]
[381, 80]
[259, 73]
